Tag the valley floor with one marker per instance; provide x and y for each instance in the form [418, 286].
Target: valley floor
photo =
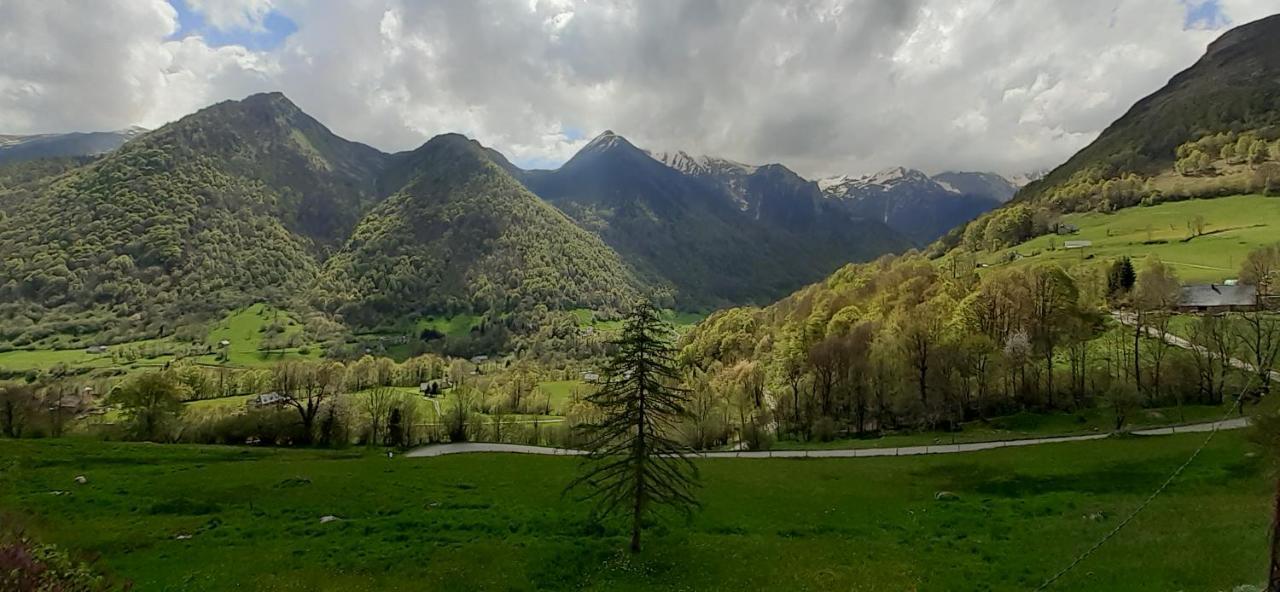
[499, 521]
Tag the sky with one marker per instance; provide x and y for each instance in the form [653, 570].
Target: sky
[825, 87]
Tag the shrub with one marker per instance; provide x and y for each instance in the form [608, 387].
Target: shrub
[29, 567]
[824, 429]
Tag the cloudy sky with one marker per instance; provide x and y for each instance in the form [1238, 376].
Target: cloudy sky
[824, 86]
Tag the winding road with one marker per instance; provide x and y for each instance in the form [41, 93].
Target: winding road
[1124, 318]
[476, 447]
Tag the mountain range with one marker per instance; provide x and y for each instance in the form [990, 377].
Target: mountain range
[919, 206]
[711, 231]
[15, 148]
[253, 199]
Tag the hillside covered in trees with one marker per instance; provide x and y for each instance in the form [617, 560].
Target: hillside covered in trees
[1213, 130]
[903, 344]
[463, 236]
[255, 201]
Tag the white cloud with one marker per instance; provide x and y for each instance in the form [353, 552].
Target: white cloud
[825, 86]
[226, 15]
[91, 66]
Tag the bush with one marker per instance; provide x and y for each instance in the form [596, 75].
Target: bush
[824, 429]
[259, 426]
[29, 567]
[756, 437]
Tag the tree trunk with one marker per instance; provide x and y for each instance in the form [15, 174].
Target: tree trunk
[1273, 582]
[642, 457]
[1048, 369]
[1137, 361]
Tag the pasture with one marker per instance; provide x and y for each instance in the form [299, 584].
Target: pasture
[1233, 226]
[210, 518]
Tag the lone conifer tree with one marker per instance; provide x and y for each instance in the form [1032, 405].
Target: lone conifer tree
[634, 467]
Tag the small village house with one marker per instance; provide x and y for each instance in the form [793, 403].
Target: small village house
[267, 400]
[1216, 298]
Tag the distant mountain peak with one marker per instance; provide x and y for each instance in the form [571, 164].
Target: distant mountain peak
[700, 164]
[894, 175]
[607, 140]
[883, 180]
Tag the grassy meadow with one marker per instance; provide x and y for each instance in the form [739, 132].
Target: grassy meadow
[246, 330]
[499, 522]
[1233, 226]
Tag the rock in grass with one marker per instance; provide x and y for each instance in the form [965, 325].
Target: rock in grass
[81, 479]
[946, 496]
[328, 519]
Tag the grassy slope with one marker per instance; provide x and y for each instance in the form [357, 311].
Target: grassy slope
[499, 522]
[561, 391]
[245, 328]
[454, 326]
[150, 352]
[1237, 224]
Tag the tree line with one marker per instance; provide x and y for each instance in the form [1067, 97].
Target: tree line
[901, 344]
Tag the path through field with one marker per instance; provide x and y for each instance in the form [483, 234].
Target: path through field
[472, 447]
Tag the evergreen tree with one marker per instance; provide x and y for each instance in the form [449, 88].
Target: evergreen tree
[1121, 277]
[634, 467]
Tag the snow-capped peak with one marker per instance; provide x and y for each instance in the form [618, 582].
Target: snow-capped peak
[890, 179]
[836, 181]
[893, 176]
[947, 186]
[606, 139]
[700, 164]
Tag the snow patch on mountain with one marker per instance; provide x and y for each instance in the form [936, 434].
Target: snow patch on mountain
[701, 164]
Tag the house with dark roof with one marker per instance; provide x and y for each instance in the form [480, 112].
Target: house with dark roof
[1217, 297]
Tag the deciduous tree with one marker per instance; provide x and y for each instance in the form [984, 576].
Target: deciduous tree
[150, 402]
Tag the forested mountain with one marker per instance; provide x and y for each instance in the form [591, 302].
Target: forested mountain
[711, 230]
[255, 200]
[916, 205]
[177, 222]
[325, 183]
[1234, 87]
[18, 148]
[463, 235]
[1213, 130]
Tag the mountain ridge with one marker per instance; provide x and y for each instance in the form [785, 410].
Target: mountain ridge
[915, 204]
[758, 231]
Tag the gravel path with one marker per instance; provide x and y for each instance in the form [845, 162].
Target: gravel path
[1125, 318]
[1129, 319]
[472, 447]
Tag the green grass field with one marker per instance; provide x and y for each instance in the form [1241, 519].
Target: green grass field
[1234, 226]
[455, 326]
[560, 391]
[246, 329]
[128, 356]
[499, 522]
